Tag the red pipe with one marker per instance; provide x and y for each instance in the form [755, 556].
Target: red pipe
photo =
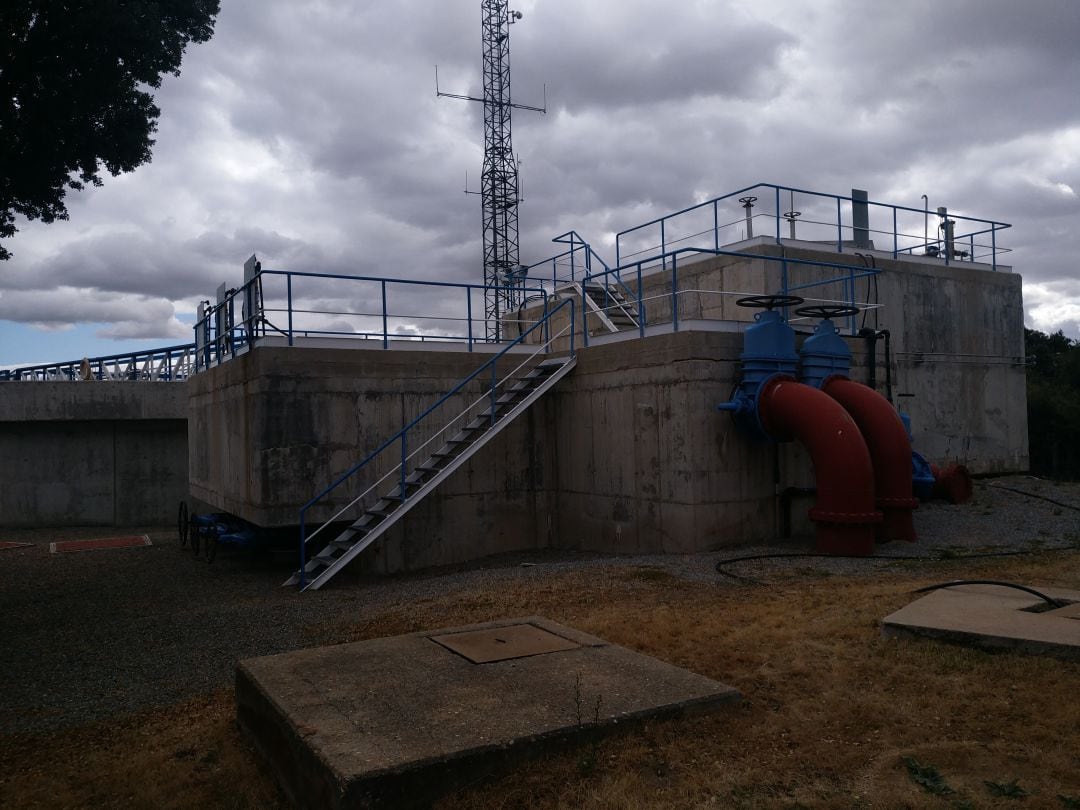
[952, 484]
[890, 451]
[844, 511]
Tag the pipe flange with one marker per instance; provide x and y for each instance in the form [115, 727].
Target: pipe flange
[823, 516]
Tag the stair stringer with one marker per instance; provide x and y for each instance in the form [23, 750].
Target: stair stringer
[331, 570]
[601, 312]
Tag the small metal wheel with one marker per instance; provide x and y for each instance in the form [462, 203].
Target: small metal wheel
[769, 301]
[182, 523]
[210, 546]
[827, 311]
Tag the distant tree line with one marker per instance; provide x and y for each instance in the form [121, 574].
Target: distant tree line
[1053, 396]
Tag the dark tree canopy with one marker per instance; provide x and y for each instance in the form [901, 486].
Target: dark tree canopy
[74, 76]
[1053, 391]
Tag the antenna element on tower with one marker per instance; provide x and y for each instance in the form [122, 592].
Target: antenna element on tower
[499, 180]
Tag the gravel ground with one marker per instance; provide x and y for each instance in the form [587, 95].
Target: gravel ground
[95, 634]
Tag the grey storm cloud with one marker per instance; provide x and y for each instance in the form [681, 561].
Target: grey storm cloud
[309, 134]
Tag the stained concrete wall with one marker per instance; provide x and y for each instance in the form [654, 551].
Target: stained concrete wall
[92, 453]
[956, 334]
[276, 426]
[626, 454]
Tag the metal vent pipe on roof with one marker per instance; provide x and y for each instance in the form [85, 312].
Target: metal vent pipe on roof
[860, 218]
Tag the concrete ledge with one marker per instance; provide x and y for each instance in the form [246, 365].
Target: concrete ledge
[399, 721]
[88, 400]
[993, 618]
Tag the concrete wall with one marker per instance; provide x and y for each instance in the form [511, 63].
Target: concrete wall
[276, 426]
[92, 453]
[626, 454]
[644, 461]
[957, 337]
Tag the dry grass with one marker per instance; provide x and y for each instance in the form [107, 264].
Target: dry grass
[831, 708]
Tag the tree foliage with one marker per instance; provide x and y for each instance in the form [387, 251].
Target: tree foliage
[74, 82]
[1053, 391]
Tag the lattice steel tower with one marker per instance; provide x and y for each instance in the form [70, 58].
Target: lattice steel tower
[499, 181]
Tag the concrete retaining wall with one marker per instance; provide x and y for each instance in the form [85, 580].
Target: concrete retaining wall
[92, 453]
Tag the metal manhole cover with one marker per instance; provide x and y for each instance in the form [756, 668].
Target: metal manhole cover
[504, 643]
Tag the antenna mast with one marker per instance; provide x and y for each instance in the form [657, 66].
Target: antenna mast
[499, 180]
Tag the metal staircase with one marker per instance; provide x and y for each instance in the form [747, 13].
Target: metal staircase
[416, 474]
[610, 306]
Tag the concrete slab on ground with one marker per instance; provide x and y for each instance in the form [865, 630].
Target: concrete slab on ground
[100, 544]
[994, 617]
[398, 721]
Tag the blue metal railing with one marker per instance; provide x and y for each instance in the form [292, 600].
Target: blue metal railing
[275, 302]
[167, 364]
[580, 257]
[843, 274]
[700, 225]
[423, 422]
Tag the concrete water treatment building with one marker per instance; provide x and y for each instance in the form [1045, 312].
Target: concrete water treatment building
[592, 423]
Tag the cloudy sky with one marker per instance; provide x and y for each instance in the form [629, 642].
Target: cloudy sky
[308, 132]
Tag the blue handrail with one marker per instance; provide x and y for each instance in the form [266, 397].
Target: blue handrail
[774, 192]
[98, 366]
[402, 435]
[847, 274]
[577, 243]
[221, 332]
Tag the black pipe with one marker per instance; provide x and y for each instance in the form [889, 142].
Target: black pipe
[721, 564]
[888, 363]
[1054, 602]
[871, 349]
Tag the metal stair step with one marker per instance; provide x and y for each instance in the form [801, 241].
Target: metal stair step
[390, 507]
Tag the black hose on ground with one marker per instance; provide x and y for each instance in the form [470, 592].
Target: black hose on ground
[1054, 602]
[1033, 495]
[722, 564]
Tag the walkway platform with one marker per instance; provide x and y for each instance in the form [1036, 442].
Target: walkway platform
[396, 722]
[995, 618]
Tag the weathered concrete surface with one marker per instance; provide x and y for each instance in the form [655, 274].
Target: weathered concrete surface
[644, 463]
[75, 401]
[397, 721]
[993, 617]
[92, 453]
[956, 333]
[627, 454]
[277, 425]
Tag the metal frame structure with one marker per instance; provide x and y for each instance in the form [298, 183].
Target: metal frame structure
[499, 181]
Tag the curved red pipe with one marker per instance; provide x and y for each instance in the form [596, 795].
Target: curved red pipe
[844, 511]
[890, 451]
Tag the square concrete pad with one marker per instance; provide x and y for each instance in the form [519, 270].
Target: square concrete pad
[993, 617]
[397, 721]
